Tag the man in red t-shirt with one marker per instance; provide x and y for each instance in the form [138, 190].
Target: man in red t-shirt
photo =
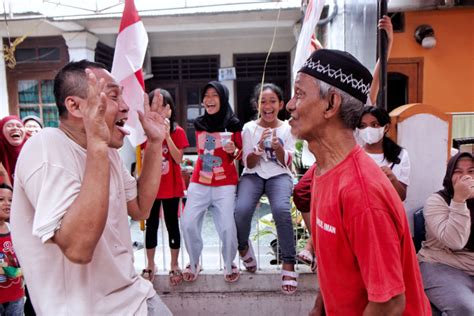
[366, 259]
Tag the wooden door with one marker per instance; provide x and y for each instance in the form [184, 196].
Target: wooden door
[405, 82]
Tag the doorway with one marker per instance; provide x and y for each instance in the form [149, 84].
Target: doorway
[404, 82]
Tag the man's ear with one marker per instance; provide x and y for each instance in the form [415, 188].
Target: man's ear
[72, 104]
[334, 104]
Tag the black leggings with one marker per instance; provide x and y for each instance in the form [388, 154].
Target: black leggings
[170, 210]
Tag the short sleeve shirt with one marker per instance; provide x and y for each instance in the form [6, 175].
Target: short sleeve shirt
[268, 166]
[214, 166]
[49, 176]
[172, 184]
[401, 170]
[362, 240]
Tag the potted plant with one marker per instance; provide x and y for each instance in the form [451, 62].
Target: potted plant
[300, 168]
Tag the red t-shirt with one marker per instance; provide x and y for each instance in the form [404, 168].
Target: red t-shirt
[214, 166]
[172, 184]
[11, 289]
[362, 240]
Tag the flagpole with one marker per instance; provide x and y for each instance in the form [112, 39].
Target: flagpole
[130, 50]
[382, 52]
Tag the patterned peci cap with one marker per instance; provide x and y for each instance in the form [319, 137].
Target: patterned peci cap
[341, 70]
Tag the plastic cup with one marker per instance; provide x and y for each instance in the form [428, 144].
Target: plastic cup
[225, 137]
[267, 142]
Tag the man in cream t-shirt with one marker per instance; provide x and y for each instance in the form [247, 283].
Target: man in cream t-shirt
[72, 197]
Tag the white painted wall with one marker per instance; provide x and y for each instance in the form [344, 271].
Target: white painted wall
[3, 88]
[425, 137]
[81, 45]
[225, 47]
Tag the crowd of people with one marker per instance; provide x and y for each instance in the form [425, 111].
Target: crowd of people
[71, 196]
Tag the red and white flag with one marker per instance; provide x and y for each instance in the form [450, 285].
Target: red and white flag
[304, 47]
[130, 49]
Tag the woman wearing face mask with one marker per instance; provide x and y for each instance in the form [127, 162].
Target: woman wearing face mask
[392, 159]
[12, 138]
[33, 125]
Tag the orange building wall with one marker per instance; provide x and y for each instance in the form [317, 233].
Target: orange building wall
[448, 74]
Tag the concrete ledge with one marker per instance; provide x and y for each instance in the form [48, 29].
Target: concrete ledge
[253, 294]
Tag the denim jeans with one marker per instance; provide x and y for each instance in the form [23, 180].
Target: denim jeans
[14, 308]
[278, 190]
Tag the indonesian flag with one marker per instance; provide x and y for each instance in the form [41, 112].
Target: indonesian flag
[130, 50]
[304, 48]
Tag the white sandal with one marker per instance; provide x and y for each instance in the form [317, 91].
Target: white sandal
[294, 283]
[305, 256]
[251, 266]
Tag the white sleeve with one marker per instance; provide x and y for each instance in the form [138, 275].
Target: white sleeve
[51, 189]
[248, 140]
[129, 183]
[402, 169]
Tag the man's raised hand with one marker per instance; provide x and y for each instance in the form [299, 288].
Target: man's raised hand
[93, 110]
[153, 118]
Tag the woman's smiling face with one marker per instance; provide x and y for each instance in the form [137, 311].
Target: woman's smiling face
[211, 101]
[14, 132]
[270, 105]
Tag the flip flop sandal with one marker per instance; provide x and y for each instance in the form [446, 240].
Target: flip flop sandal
[249, 261]
[305, 257]
[176, 274]
[148, 274]
[314, 265]
[294, 283]
[235, 271]
[195, 274]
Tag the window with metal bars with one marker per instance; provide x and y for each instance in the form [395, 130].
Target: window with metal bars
[104, 54]
[249, 70]
[184, 77]
[251, 65]
[185, 67]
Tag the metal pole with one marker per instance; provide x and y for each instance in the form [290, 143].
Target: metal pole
[382, 42]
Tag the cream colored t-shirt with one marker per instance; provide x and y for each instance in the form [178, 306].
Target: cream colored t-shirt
[49, 174]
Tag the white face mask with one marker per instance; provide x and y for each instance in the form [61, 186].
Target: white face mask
[371, 135]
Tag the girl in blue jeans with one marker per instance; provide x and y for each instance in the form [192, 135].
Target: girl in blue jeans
[268, 149]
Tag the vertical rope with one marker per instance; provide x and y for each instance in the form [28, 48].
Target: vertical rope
[266, 60]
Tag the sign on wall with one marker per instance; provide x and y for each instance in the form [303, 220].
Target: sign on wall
[227, 74]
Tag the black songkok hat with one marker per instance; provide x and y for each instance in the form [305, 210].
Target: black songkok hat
[341, 70]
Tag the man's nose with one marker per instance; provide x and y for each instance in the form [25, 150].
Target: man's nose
[290, 106]
[123, 106]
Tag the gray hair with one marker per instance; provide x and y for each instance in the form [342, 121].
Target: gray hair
[351, 108]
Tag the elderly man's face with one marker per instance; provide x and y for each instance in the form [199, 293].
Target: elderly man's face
[306, 107]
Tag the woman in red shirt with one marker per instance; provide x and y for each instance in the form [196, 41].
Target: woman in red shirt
[169, 194]
[214, 181]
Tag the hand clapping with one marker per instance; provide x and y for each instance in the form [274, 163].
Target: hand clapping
[93, 110]
[153, 119]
